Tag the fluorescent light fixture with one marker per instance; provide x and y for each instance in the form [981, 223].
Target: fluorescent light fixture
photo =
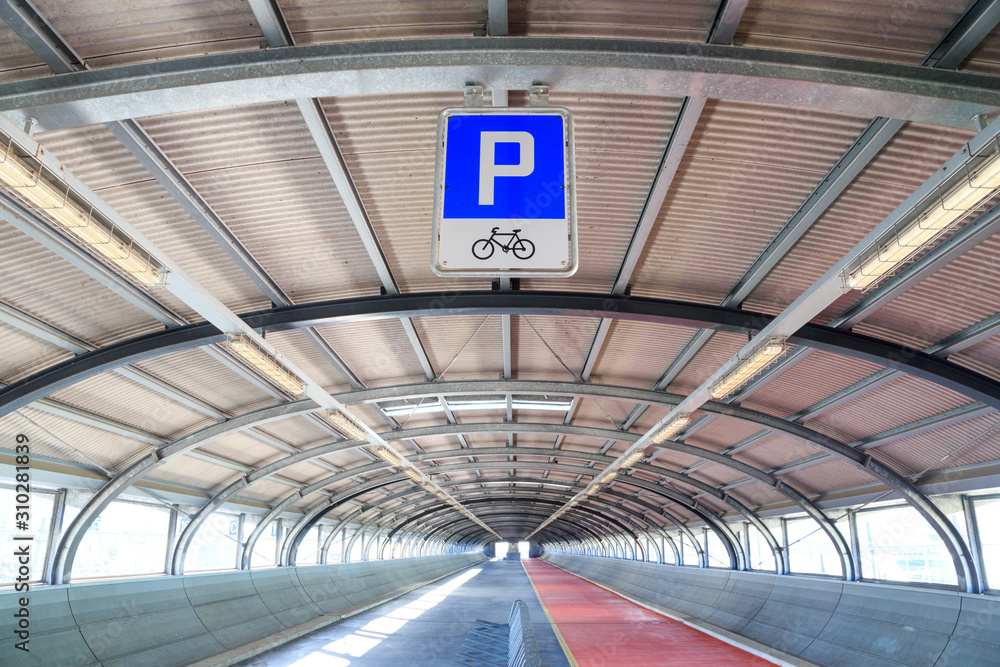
[637, 455]
[441, 495]
[265, 363]
[403, 410]
[413, 474]
[675, 426]
[935, 220]
[607, 476]
[111, 245]
[389, 456]
[758, 359]
[592, 490]
[346, 425]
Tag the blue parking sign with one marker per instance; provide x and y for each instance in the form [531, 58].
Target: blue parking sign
[505, 193]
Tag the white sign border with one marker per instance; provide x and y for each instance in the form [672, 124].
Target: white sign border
[569, 165]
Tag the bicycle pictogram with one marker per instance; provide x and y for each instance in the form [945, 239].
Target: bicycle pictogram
[522, 248]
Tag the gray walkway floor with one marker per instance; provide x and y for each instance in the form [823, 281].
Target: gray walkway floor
[425, 627]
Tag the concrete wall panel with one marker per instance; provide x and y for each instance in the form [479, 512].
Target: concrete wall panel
[174, 621]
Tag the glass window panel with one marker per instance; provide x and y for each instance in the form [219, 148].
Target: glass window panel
[39, 513]
[126, 539]
[308, 553]
[356, 548]
[717, 554]
[689, 555]
[335, 555]
[810, 550]
[263, 551]
[668, 553]
[214, 546]
[988, 519]
[898, 545]
[761, 556]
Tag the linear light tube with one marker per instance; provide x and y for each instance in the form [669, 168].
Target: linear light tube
[413, 474]
[131, 260]
[930, 224]
[346, 425]
[592, 490]
[389, 456]
[607, 476]
[402, 410]
[265, 363]
[637, 455]
[753, 363]
[675, 426]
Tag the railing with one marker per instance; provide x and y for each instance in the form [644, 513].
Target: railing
[522, 646]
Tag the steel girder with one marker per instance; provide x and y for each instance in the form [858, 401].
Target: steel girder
[858, 87]
[928, 367]
[348, 494]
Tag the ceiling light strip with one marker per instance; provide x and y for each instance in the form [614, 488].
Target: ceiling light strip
[45, 193]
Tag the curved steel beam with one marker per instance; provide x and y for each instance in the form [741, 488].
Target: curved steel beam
[631, 516]
[611, 492]
[268, 414]
[963, 559]
[588, 523]
[675, 69]
[348, 494]
[974, 385]
[652, 526]
[587, 526]
[590, 517]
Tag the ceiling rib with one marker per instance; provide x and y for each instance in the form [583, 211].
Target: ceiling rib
[723, 28]
[279, 35]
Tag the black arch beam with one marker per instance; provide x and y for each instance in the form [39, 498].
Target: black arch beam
[974, 385]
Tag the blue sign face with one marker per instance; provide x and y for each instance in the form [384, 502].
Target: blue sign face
[505, 167]
[504, 195]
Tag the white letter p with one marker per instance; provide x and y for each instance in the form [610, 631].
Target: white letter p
[489, 169]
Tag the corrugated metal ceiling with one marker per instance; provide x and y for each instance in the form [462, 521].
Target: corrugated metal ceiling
[747, 170]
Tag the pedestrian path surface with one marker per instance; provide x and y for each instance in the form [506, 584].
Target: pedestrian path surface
[601, 629]
[424, 628]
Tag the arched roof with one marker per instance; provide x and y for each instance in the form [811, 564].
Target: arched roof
[276, 161]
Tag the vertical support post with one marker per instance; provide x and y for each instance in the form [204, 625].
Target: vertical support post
[55, 531]
[852, 521]
[239, 537]
[784, 545]
[171, 538]
[975, 545]
[279, 528]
